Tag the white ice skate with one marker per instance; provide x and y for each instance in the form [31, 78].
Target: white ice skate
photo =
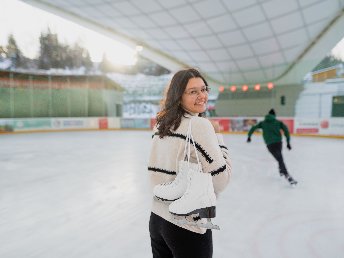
[175, 189]
[199, 199]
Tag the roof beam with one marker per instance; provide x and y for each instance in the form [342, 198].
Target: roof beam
[315, 52]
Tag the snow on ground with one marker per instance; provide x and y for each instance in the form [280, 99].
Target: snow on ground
[87, 194]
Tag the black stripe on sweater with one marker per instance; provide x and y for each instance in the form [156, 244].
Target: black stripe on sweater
[218, 171]
[223, 147]
[162, 171]
[198, 146]
[213, 173]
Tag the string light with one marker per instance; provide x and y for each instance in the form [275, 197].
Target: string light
[270, 85]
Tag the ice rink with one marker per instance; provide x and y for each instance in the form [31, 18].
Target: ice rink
[87, 195]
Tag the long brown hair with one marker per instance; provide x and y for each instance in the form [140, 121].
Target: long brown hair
[172, 111]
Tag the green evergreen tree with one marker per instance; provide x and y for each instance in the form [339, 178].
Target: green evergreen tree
[77, 57]
[13, 52]
[53, 54]
[328, 61]
[86, 60]
[3, 52]
[51, 51]
[105, 65]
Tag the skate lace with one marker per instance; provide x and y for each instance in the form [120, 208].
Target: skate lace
[187, 153]
[187, 148]
[187, 192]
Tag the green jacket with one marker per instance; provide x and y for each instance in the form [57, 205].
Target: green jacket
[271, 130]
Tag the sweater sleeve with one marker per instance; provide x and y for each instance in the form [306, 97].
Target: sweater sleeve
[212, 152]
[286, 131]
[221, 181]
[253, 128]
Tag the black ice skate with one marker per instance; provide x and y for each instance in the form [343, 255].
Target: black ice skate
[291, 180]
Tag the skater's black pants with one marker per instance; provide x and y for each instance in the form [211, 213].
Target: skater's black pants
[276, 151]
[171, 241]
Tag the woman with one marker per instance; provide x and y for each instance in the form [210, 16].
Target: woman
[186, 98]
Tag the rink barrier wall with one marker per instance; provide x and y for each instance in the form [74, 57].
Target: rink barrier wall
[330, 127]
[17, 125]
[327, 127]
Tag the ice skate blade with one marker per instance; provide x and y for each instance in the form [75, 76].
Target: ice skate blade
[293, 185]
[207, 212]
[184, 221]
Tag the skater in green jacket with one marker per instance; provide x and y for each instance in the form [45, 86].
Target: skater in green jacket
[272, 136]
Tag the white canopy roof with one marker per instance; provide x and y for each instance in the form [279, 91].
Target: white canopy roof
[231, 41]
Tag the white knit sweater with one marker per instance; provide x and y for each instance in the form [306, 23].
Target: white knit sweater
[166, 152]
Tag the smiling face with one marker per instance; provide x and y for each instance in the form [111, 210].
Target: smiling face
[195, 96]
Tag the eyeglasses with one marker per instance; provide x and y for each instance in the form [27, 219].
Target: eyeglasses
[196, 92]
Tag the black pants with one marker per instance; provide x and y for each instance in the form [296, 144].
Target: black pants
[276, 151]
[171, 241]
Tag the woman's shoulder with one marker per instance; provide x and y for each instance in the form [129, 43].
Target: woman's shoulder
[201, 121]
[198, 124]
[201, 126]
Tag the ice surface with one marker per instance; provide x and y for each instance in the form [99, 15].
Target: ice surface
[87, 194]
